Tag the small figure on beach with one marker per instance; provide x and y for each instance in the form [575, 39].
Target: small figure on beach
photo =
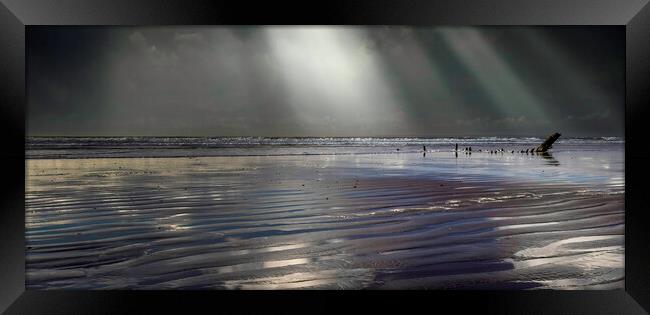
[456, 147]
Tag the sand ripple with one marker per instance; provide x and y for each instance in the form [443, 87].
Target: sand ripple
[309, 223]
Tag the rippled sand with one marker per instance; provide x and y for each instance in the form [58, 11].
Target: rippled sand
[384, 221]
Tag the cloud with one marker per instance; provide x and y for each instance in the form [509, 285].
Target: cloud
[512, 120]
[330, 81]
[489, 121]
[598, 115]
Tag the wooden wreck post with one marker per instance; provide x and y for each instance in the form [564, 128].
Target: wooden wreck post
[548, 143]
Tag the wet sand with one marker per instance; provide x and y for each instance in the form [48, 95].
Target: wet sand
[382, 221]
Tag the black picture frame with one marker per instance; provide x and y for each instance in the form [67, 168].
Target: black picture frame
[16, 16]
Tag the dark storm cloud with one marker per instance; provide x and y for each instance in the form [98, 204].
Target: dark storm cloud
[66, 72]
[325, 81]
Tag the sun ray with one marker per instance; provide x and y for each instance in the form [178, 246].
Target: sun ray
[498, 80]
[333, 81]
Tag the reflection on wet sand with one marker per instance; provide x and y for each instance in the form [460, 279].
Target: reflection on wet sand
[549, 159]
[340, 222]
[547, 156]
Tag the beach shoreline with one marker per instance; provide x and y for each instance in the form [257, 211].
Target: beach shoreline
[374, 221]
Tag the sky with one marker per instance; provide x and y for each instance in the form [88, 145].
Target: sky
[325, 81]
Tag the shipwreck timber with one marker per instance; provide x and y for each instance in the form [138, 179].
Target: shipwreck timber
[542, 148]
[548, 143]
